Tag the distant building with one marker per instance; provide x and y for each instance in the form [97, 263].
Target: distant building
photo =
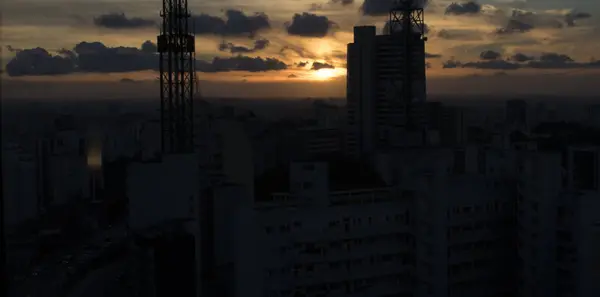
[165, 218]
[462, 208]
[321, 141]
[20, 186]
[593, 115]
[378, 116]
[321, 228]
[558, 215]
[447, 123]
[517, 115]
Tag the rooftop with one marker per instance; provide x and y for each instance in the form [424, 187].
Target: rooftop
[344, 174]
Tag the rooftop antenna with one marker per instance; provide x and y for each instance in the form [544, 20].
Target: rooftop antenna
[176, 47]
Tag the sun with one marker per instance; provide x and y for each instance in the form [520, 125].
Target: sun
[327, 73]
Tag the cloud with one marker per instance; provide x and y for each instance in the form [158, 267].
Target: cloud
[492, 64]
[490, 55]
[343, 2]
[319, 65]
[521, 21]
[339, 54]
[259, 44]
[149, 47]
[241, 63]
[95, 57]
[298, 50]
[292, 76]
[451, 64]
[514, 26]
[457, 34]
[309, 25]
[571, 17]
[466, 8]
[121, 21]
[383, 7]
[521, 61]
[128, 81]
[432, 56]
[301, 64]
[237, 23]
[38, 61]
[520, 57]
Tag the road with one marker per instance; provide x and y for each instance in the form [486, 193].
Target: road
[48, 278]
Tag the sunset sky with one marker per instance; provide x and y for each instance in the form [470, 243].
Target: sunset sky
[295, 48]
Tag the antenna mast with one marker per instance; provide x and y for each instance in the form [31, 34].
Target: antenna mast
[407, 23]
[176, 47]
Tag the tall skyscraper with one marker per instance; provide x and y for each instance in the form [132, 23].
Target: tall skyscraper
[386, 84]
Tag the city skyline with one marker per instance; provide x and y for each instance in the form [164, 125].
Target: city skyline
[298, 49]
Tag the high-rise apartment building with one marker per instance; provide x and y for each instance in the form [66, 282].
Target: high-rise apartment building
[381, 68]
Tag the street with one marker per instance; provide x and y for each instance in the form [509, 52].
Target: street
[53, 276]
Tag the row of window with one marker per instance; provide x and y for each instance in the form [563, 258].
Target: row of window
[491, 207]
[399, 259]
[346, 223]
[347, 287]
[322, 248]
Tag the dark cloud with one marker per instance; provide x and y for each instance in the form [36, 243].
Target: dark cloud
[570, 18]
[149, 47]
[466, 8]
[514, 26]
[237, 23]
[309, 25]
[521, 21]
[301, 64]
[241, 63]
[319, 65]
[491, 64]
[259, 44]
[490, 55]
[128, 81]
[298, 50]
[432, 56]
[38, 61]
[451, 34]
[343, 2]
[538, 20]
[12, 49]
[451, 64]
[521, 61]
[97, 58]
[519, 57]
[339, 54]
[383, 7]
[292, 76]
[121, 21]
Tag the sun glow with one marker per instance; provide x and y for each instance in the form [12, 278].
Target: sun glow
[328, 73]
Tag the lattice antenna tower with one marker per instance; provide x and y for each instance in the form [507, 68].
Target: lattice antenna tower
[176, 47]
[407, 23]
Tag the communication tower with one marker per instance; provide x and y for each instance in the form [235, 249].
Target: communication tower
[407, 23]
[176, 47]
